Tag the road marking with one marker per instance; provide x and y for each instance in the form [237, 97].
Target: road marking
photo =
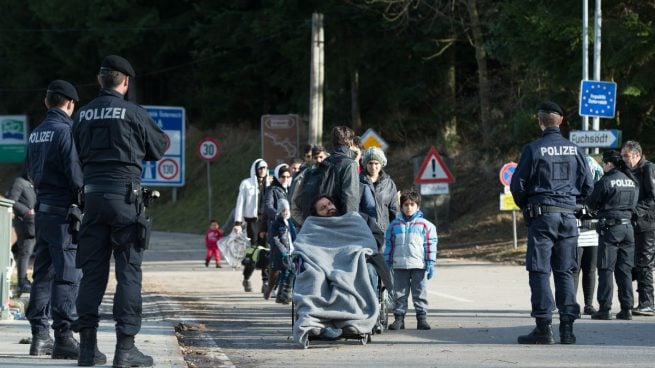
[450, 297]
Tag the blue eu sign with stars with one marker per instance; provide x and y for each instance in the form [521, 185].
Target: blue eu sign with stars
[597, 99]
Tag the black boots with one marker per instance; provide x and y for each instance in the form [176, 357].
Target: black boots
[566, 335]
[399, 323]
[127, 354]
[422, 322]
[41, 344]
[65, 347]
[89, 353]
[542, 334]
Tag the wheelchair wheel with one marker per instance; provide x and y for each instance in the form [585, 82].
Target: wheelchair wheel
[383, 317]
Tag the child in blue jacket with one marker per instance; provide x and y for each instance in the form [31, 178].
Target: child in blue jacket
[411, 251]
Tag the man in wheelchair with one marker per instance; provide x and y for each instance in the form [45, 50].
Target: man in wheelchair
[333, 294]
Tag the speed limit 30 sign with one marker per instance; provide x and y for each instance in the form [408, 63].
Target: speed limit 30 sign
[208, 149]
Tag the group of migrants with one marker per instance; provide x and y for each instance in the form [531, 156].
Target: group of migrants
[86, 162]
[578, 226]
[348, 179]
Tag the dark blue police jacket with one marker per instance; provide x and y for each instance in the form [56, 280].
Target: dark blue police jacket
[113, 136]
[551, 171]
[52, 160]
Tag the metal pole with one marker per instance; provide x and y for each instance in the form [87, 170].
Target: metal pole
[598, 19]
[585, 53]
[321, 76]
[313, 81]
[209, 192]
[514, 229]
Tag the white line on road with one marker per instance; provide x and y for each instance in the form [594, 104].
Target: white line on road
[450, 297]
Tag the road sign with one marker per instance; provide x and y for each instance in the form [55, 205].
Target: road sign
[13, 138]
[433, 170]
[596, 138]
[434, 189]
[507, 203]
[506, 173]
[597, 99]
[371, 139]
[279, 138]
[169, 171]
[208, 149]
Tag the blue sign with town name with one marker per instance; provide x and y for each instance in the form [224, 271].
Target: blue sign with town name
[169, 171]
[597, 99]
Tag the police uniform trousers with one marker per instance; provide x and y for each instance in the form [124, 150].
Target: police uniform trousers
[616, 247]
[109, 226]
[55, 277]
[644, 257]
[552, 245]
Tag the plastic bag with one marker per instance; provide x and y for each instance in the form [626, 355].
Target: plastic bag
[233, 248]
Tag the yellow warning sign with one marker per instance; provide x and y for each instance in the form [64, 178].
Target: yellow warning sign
[371, 139]
[507, 203]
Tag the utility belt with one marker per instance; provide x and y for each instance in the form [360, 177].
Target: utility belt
[607, 223]
[54, 210]
[131, 190]
[536, 209]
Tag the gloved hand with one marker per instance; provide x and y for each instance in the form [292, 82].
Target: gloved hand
[429, 269]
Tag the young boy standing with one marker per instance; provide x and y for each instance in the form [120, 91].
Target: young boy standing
[213, 235]
[411, 251]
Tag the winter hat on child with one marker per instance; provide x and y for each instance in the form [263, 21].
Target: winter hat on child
[376, 154]
[282, 204]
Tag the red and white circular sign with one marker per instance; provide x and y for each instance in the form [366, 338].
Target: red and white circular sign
[168, 169]
[208, 149]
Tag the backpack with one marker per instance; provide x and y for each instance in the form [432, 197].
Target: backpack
[319, 180]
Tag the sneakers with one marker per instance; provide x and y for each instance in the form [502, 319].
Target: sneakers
[41, 345]
[589, 310]
[206, 263]
[247, 287]
[625, 314]
[604, 315]
[644, 311]
[329, 333]
[218, 265]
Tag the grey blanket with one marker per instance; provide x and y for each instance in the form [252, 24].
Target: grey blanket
[334, 289]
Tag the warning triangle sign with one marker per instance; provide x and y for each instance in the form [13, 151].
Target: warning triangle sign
[433, 170]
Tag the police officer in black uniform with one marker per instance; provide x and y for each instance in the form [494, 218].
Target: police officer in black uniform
[551, 174]
[644, 171]
[615, 198]
[113, 136]
[54, 167]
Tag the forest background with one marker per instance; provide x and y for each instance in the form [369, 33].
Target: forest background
[464, 76]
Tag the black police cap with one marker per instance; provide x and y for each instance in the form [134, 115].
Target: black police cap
[117, 63]
[63, 88]
[551, 107]
[612, 156]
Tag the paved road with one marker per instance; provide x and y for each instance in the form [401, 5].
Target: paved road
[476, 310]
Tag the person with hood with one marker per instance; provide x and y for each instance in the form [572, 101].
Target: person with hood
[249, 209]
[24, 196]
[281, 234]
[382, 186]
[411, 251]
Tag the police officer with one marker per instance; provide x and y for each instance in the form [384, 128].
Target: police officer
[54, 167]
[615, 198]
[644, 171]
[551, 175]
[113, 136]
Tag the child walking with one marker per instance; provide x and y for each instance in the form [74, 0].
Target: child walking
[411, 251]
[213, 235]
[281, 234]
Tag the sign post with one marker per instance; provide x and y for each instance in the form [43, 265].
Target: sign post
[506, 199]
[434, 176]
[596, 138]
[208, 151]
